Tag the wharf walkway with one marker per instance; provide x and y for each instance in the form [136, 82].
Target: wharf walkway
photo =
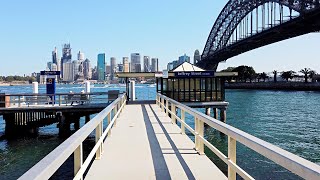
[142, 142]
[145, 144]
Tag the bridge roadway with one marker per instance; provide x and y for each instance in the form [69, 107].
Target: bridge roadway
[145, 144]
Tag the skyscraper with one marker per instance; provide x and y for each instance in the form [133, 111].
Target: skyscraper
[66, 56]
[68, 72]
[101, 67]
[154, 65]
[196, 57]
[55, 56]
[49, 65]
[135, 62]
[87, 69]
[113, 66]
[77, 69]
[125, 62]
[183, 59]
[146, 63]
[80, 56]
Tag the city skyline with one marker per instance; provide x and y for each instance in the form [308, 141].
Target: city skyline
[158, 35]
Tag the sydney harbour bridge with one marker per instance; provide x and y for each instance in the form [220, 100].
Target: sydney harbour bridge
[244, 25]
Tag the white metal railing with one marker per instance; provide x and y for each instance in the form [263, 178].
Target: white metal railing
[73, 145]
[59, 99]
[293, 163]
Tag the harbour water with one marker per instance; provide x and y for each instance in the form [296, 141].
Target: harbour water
[288, 119]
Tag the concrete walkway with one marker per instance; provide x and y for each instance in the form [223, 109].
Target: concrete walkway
[146, 145]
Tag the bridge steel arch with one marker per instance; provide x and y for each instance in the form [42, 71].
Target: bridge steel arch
[218, 49]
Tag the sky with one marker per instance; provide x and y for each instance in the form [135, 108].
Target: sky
[165, 29]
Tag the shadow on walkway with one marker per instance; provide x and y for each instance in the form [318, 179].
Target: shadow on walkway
[156, 151]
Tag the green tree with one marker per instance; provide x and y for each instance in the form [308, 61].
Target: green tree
[229, 69]
[244, 73]
[275, 74]
[9, 78]
[305, 72]
[264, 76]
[287, 75]
[312, 73]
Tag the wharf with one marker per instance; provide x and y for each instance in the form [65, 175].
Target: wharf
[145, 144]
[93, 107]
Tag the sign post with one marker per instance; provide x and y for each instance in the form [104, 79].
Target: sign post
[51, 83]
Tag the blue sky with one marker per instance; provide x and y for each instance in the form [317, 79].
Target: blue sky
[165, 29]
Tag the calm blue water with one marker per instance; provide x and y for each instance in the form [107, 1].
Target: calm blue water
[290, 120]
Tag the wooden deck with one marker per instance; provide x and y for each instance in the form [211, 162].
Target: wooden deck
[144, 144]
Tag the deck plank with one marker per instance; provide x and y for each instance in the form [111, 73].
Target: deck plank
[146, 145]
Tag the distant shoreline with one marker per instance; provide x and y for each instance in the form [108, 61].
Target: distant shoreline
[288, 86]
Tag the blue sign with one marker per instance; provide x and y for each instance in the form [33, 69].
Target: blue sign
[194, 74]
[52, 73]
[51, 88]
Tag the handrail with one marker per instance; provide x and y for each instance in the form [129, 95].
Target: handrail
[51, 163]
[291, 162]
[45, 94]
[28, 99]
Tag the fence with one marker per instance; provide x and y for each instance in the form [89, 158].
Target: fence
[73, 145]
[293, 163]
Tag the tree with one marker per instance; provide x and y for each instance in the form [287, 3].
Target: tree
[264, 76]
[9, 78]
[287, 75]
[306, 72]
[275, 74]
[245, 72]
[229, 69]
[312, 73]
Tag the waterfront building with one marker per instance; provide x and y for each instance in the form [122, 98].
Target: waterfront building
[55, 55]
[196, 57]
[49, 64]
[175, 63]
[135, 62]
[189, 83]
[101, 68]
[113, 66]
[58, 64]
[146, 63]
[170, 66]
[120, 68]
[54, 67]
[126, 65]
[95, 73]
[87, 72]
[183, 59]
[66, 56]
[138, 68]
[108, 69]
[80, 56]
[68, 72]
[154, 65]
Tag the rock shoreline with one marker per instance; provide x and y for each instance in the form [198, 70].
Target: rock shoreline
[290, 86]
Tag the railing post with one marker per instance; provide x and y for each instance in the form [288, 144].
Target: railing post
[118, 109]
[200, 133]
[157, 99]
[183, 130]
[173, 112]
[167, 107]
[109, 121]
[59, 100]
[197, 131]
[232, 155]
[19, 101]
[114, 115]
[162, 105]
[98, 135]
[78, 159]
